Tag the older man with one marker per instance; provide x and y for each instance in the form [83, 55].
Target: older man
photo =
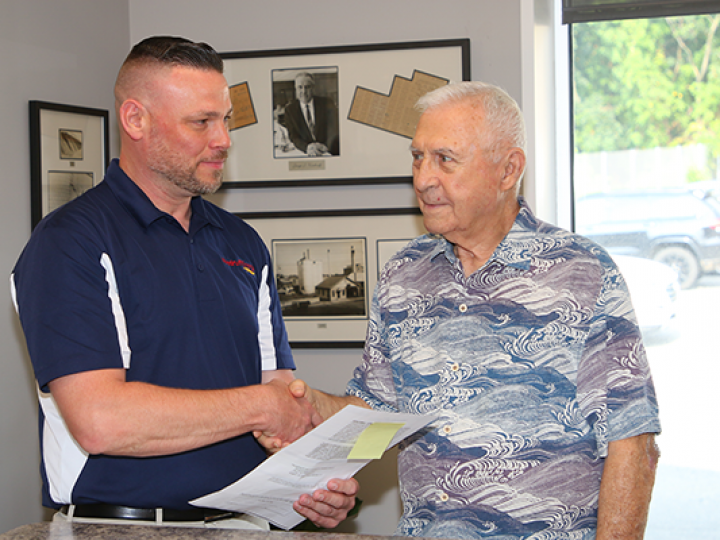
[152, 319]
[519, 335]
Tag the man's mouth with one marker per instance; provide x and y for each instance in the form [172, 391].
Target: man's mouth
[217, 161]
[431, 204]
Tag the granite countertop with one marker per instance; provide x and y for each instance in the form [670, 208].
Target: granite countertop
[88, 531]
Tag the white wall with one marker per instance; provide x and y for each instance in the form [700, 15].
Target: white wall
[69, 51]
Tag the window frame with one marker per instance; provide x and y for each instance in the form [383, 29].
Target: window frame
[580, 11]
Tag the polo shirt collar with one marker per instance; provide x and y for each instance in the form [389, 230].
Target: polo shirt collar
[141, 207]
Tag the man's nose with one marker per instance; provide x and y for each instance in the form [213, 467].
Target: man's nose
[221, 138]
[424, 175]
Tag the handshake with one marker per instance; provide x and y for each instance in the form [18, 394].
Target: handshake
[298, 408]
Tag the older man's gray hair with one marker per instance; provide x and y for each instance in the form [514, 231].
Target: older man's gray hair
[504, 124]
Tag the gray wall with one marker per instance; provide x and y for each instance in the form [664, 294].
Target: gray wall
[65, 51]
[68, 51]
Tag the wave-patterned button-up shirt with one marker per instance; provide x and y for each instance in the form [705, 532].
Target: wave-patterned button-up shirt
[534, 363]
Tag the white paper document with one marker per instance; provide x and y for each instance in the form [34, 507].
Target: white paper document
[337, 448]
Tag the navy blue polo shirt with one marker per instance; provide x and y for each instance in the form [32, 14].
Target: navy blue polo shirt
[110, 281]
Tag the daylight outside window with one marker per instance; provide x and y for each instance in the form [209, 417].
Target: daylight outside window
[646, 107]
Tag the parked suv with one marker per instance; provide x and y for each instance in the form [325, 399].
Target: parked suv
[680, 228]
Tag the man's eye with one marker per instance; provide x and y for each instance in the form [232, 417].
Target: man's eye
[445, 159]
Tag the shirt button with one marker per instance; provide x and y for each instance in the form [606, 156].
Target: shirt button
[201, 267]
[444, 497]
[455, 366]
[447, 429]
[462, 308]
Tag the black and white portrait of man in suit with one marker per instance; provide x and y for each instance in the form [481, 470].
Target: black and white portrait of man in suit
[308, 123]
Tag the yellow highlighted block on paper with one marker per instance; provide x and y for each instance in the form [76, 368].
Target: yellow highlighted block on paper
[374, 440]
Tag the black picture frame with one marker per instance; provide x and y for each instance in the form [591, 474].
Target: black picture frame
[360, 229]
[372, 89]
[69, 153]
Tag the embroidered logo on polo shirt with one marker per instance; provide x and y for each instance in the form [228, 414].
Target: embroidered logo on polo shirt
[242, 264]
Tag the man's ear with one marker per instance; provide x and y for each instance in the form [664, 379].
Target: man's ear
[514, 168]
[132, 117]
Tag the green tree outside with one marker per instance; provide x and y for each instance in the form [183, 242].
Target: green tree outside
[647, 83]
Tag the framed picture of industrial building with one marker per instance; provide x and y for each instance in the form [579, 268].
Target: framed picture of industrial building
[332, 115]
[326, 265]
[321, 277]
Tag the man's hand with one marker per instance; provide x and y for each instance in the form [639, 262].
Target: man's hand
[294, 417]
[324, 404]
[291, 415]
[327, 508]
[301, 391]
[316, 149]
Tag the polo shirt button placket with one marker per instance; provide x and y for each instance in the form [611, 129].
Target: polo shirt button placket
[200, 266]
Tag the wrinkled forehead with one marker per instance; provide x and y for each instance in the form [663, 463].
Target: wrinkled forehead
[454, 125]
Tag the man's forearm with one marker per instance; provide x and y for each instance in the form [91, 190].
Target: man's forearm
[327, 404]
[107, 415]
[626, 487]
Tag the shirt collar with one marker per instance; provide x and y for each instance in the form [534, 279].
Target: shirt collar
[141, 207]
[514, 250]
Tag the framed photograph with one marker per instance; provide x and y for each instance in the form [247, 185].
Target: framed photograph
[69, 153]
[326, 264]
[332, 115]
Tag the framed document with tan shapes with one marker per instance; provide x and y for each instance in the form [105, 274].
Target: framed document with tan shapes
[332, 115]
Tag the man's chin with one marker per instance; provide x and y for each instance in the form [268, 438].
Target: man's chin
[433, 225]
[208, 189]
[205, 186]
[211, 182]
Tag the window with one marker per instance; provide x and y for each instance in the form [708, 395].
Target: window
[646, 179]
